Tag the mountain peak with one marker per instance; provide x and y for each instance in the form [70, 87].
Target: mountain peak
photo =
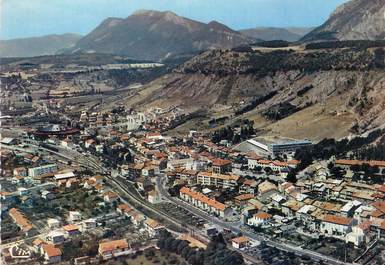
[148, 12]
[154, 35]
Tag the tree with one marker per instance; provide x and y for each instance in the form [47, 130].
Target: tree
[292, 176]
[182, 244]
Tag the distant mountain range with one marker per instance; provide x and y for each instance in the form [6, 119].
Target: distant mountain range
[154, 35]
[29, 47]
[354, 20]
[271, 33]
[165, 36]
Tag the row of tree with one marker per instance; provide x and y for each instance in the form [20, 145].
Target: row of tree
[330, 147]
[228, 133]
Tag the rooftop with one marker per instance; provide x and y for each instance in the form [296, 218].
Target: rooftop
[113, 245]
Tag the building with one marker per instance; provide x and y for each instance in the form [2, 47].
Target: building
[240, 242]
[266, 189]
[71, 230]
[242, 199]
[53, 223]
[153, 227]
[249, 186]
[20, 171]
[55, 237]
[260, 218]
[21, 221]
[333, 225]
[65, 175]
[153, 197]
[360, 234]
[203, 202]
[51, 253]
[124, 209]
[221, 166]
[37, 171]
[47, 195]
[37, 244]
[116, 248]
[347, 164]
[279, 147]
[89, 224]
[218, 180]
[74, 216]
[137, 218]
[349, 208]
[288, 147]
[110, 197]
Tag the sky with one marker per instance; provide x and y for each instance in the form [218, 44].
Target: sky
[28, 18]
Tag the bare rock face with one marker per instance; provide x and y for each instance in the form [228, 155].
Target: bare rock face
[154, 35]
[354, 20]
[340, 85]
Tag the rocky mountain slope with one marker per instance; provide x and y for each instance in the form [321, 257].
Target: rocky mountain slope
[315, 93]
[154, 35]
[354, 20]
[29, 47]
[271, 33]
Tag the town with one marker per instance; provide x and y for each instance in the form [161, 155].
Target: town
[192, 133]
[111, 187]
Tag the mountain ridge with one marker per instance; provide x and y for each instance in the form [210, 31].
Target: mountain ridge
[156, 35]
[37, 46]
[291, 88]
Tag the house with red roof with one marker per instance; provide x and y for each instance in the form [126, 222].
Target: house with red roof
[260, 218]
[221, 166]
[205, 203]
[51, 253]
[336, 226]
[114, 248]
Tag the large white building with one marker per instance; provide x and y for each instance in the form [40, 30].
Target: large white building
[135, 120]
[37, 171]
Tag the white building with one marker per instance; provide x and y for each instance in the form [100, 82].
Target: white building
[37, 171]
[65, 175]
[153, 197]
[359, 234]
[74, 216]
[240, 242]
[349, 208]
[53, 223]
[259, 219]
